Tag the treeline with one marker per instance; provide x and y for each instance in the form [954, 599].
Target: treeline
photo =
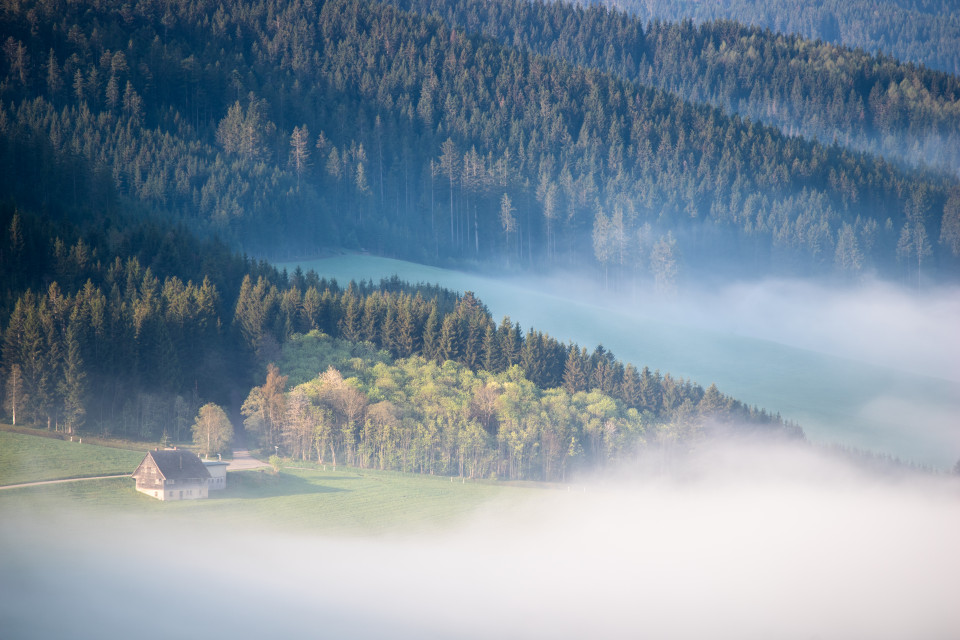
[58, 348]
[398, 319]
[818, 90]
[427, 416]
[352, 123]
[117, 326]
[135, 352]
[925, 32]
[37, 249]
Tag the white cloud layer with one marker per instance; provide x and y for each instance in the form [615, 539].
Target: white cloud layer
[735, 543]
[875, 322]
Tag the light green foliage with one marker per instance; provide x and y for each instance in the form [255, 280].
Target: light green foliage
[417, 415]
[26, 458]
[212, 431]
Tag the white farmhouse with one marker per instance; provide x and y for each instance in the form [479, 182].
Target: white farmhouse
[172, 474]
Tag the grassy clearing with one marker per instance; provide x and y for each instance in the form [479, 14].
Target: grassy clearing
[350, 501]
[114, 443]
[346, 501]
[28, 458]
[341, 502]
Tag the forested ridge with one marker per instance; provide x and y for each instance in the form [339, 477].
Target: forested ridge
[455, 393]
[922, 31]
[817, 90]
[417, 414]
[135, 351]
[117, 327]
[354, 124]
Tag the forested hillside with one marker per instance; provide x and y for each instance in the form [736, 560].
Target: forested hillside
[922, 31]
[100, 342]
[146, 150]
[116, 325]
[354, 124]
[813, 89]
[121, 328]
[528, 408]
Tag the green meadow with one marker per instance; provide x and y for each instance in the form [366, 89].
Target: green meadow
[29, 458]
[307, 498]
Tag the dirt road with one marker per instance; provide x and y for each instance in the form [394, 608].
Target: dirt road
[243, 460]
[34, 484]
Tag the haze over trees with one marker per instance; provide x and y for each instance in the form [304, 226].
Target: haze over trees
[832, 93]
[136, 354]
[143, 145]
[358, 124]
[925, 32]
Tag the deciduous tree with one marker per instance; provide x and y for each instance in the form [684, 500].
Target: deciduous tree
[212, 430]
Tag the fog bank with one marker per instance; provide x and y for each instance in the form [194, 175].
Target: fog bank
[732, 543]
[875, 322]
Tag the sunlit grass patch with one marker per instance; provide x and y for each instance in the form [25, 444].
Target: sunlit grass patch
[346, 501]
[27, 458]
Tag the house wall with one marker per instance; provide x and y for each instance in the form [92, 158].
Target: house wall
[152, 492]
[218, 476]
[149, 479]
[176, 491]
[185, 490]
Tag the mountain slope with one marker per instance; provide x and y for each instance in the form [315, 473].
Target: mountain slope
[352, 123]
[814, 89]
[922, 31]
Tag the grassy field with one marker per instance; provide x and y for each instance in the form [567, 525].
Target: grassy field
[311, 500]
[28, 458]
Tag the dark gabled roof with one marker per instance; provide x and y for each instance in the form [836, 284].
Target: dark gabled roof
[177, 464]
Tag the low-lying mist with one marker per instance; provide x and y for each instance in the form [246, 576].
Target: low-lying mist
[746, 541]
[874, 366]
[875, 322]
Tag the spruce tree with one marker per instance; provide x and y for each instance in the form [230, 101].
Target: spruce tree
[404, 342]
[574, 376]
[449, 347]
[490, 349]
[431, 334]
[72, 387]
[350, 322]
[629, 391]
